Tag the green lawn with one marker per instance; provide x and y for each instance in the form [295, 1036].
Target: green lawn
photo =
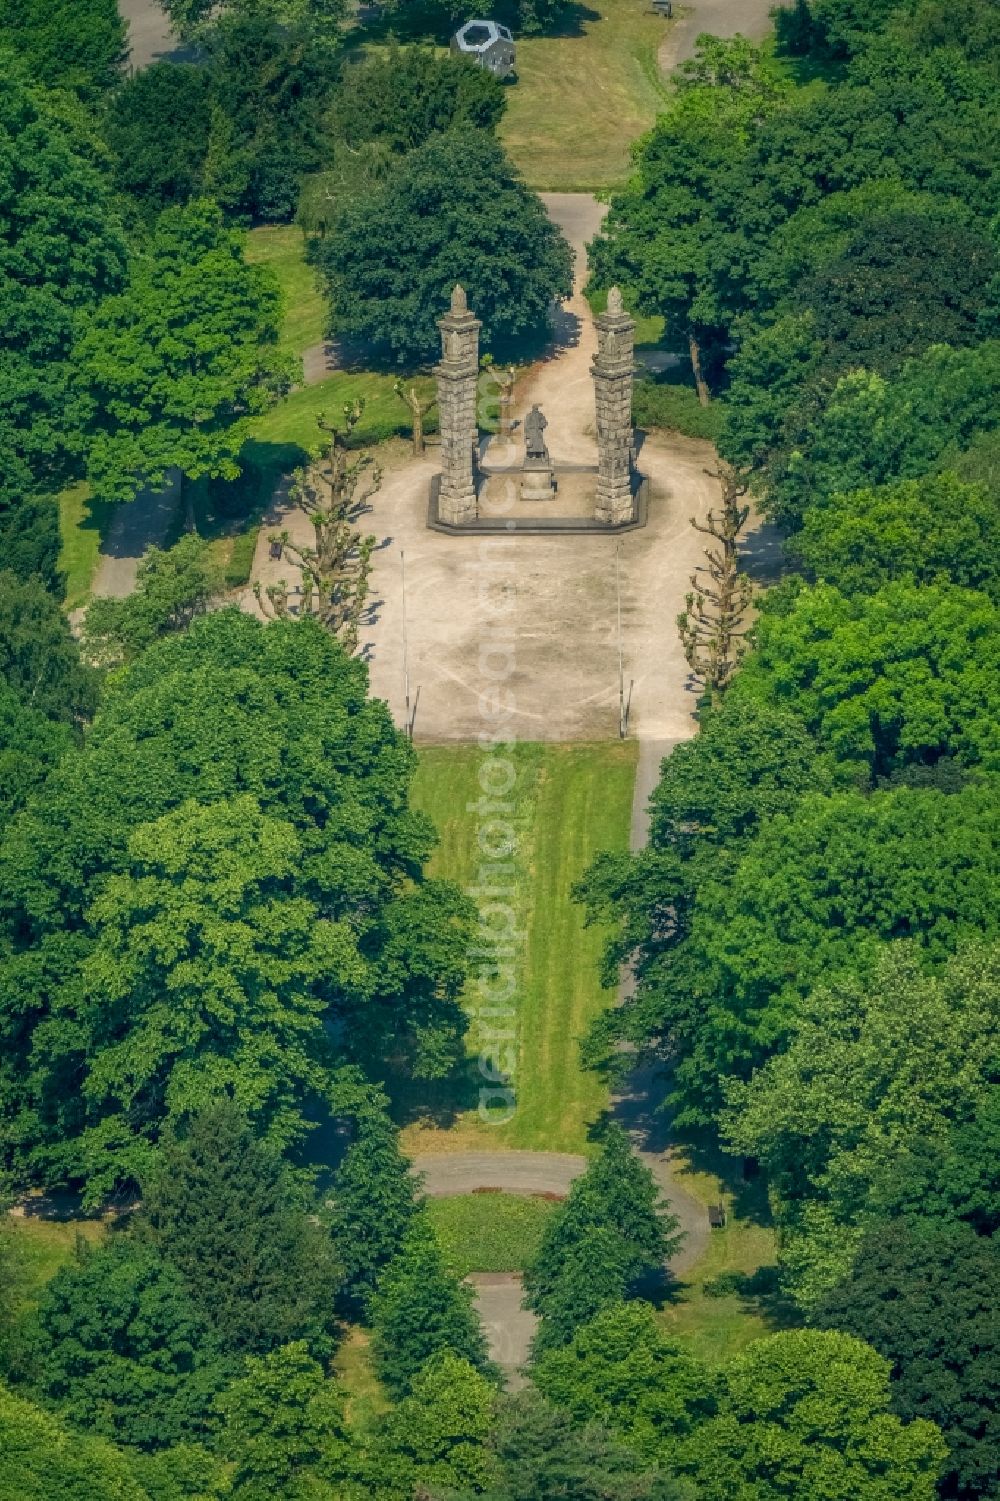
[40, 1247]
[282, 247]
[292, 423]
[581, 100]
[572, 800]
[82, 523]
[728, 1298]
[489, 1232]
[355, 1369]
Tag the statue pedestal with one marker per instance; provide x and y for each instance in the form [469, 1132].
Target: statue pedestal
[537, 482]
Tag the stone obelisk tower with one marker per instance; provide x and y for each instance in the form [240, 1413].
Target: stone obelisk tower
[457, 381]
[613, 370]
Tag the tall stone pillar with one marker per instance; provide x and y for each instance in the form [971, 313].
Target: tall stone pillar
[613, 370]
[457, 382]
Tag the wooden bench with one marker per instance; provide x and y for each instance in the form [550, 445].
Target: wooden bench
[717, 1216]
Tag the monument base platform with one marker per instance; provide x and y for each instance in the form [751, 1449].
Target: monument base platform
[569, 512]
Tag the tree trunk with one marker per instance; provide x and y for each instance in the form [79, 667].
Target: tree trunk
[704, 395]
[418, 432]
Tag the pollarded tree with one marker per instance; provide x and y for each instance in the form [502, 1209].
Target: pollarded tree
[925, 1295]
[712, 626]
[612, 1230]
[176, 367]
[807, 1413]
[420, 1310]
[283, 1427]
[334, 493]
[221, 1207]
[453, 211]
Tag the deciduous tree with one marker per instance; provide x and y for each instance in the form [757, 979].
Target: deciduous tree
[283, 1427]
[878, 1068]
[436, 1438]
[118, 1346]
[621, 1370]
[176, 366]
[67, 44]
[933, 529]
[334, 493]
[60, 253]
[172, 588]
[925, 1295]
[807, 1413]
[42, 1458]
[454, 210]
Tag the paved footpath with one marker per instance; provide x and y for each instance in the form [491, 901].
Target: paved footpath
[508, 1324]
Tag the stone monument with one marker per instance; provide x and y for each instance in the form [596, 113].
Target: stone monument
[613, 370]
[457, 383]
[538, 483]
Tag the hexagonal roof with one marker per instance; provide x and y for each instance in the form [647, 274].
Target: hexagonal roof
[477, 36]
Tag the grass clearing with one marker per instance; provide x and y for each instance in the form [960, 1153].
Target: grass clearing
[40, 1247]
[293, 422]
[283, 248]
[354, 1365]
[729, 1297]
[571, 801]
[83, 522]
[726, 1301]
[582, 98]
[490, 1232]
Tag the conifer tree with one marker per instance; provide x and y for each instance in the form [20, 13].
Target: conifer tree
[222, 1208]
[375, 1196]
[420, 1310]
[611, 1230]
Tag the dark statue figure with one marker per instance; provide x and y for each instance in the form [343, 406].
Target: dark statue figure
[534, 434]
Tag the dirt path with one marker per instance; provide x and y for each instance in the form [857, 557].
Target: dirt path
[751, 18]
[137, 524]
[149, 36]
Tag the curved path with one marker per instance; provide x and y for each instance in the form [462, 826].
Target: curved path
[509, 1326]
